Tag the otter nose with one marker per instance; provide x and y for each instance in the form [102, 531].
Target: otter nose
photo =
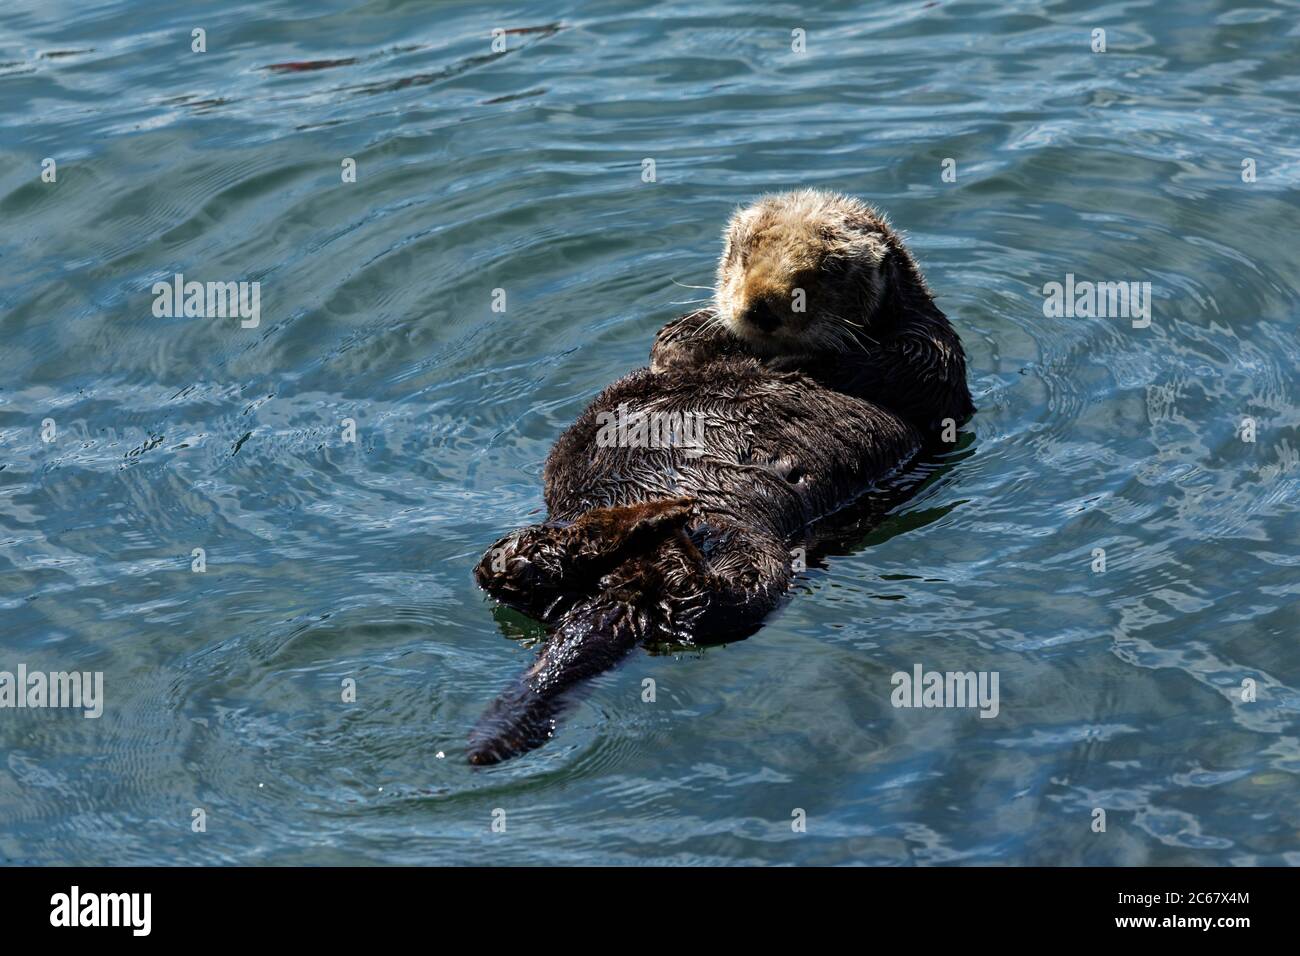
[763, 315]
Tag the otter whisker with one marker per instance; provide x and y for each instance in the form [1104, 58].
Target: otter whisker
[861, 329]
[714, 323]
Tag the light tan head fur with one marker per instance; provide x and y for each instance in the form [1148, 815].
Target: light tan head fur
[803, 272]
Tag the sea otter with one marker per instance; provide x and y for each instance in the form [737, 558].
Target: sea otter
[821, 368]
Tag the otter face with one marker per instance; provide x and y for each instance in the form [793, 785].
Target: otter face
[802, 272]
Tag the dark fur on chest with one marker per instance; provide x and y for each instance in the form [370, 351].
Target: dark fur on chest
[774, 449]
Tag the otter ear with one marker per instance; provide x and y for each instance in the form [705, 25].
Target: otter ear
[904, 289]
[892, 278]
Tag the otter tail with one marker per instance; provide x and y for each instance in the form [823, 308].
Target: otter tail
[590, 639]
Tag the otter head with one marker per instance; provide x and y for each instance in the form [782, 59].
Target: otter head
[803, 272]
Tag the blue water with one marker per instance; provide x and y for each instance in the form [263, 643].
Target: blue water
[522, 170]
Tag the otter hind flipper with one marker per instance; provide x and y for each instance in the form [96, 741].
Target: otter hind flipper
[669, 591]
[536, 568]
[593, 580]
[614, 531]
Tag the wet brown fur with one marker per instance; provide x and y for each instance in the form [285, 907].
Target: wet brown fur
[803, 411]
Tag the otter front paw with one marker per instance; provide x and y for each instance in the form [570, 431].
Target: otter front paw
[691, 340]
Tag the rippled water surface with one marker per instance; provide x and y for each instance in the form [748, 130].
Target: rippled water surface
[522, 170]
